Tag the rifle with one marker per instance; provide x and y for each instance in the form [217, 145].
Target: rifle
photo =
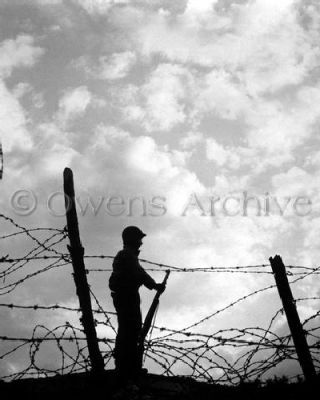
[148, 320]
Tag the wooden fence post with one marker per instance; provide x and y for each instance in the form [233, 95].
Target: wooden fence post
[77, 251]
[292, 315]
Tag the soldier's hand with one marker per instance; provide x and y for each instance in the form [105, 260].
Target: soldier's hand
[160, 287]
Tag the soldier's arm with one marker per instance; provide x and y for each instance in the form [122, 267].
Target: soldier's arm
[149, 282]
[146, 279]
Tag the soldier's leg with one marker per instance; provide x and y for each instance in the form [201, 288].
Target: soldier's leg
[137, 331]
[120, 350]
[129, 327]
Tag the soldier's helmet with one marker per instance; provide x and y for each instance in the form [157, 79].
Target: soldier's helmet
[131, 234]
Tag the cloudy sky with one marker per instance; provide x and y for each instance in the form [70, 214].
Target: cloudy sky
[196, 120]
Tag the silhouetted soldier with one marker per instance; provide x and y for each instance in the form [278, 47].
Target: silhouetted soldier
[125, 280]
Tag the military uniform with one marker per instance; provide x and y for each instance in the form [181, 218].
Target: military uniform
[125, 281]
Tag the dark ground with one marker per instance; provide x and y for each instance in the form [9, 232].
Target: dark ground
[150, 387]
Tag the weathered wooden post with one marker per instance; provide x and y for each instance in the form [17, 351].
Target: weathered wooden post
[77, 251]
[294, 323]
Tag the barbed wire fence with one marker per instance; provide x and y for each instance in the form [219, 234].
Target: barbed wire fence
[230, 355]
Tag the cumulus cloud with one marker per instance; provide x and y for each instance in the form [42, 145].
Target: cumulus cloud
[310, 252]
[15, 53]
[295, 181]
[195, 7]
[132, 165]
[117, 66]
[99, 6]
[111, 67]
[19, 52]
[55, 148]
[220, 155]
[217, 93]
[136, 156]
[162, 94]
[74, 103]
[191, 140]
[262, 43]
[21, 89]
[280, 128]
[48, 2]
[159, 103]
[13, 122]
